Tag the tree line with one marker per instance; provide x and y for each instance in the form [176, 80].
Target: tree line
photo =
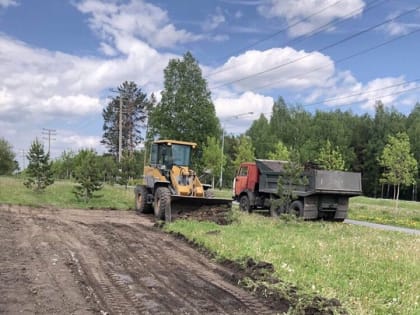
[333, 139]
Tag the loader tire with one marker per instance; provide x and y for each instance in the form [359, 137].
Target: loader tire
[140, 195]
[162, 202]
[296, 208]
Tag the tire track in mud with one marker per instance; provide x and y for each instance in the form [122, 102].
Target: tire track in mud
[116, 263]
[202, 269]
[167, 280]
[107, 291]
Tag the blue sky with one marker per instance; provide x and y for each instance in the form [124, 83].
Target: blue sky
[59, 59]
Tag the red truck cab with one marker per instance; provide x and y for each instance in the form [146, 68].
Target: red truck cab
[246, 178]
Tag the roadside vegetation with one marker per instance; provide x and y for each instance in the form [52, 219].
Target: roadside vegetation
[383, 211]
[369, 271]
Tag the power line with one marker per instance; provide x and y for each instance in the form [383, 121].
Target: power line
[49, 133]
[366, 92]
[314, 32]
[359, 94]
[281, 30]
[364, 51]
[322, 49]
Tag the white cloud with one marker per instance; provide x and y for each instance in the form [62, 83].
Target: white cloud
[291, 69]
[136, 20]
[34, 79]
[214, 20]
[395, 28]
[8, 3]
[40, 88]
[235, 110]
[312, 13]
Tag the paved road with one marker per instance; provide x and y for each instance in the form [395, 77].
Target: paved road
[383, 227]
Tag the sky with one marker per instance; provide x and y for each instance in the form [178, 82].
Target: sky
[59, 60]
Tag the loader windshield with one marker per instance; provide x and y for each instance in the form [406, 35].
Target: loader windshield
[181, 154]
[168, 155]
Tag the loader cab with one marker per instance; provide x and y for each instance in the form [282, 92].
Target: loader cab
[167, 153]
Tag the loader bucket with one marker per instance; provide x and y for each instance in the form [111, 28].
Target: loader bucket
[202, 209]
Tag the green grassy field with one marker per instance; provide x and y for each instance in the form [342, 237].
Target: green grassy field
[370, 271]
[383, 211]
[60, 195]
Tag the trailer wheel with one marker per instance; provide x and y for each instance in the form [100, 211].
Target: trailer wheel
[296, 208]
[244, 203]
[162, 201]
[140, 195]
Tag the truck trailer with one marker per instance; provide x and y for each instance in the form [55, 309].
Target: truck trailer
[324, 193]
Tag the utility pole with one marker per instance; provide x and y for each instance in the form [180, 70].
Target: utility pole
[120, 131]
[23, 159]
[48, 133]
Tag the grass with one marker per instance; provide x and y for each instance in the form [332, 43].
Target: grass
[383, 211]
[370, 271]
[12, 191]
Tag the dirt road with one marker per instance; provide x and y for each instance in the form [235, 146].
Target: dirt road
[56, 261]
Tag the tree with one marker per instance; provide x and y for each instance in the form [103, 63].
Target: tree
[330, 158]
[128, 168]
[400, 166]
[135, 106]
[63, 166]
[39, 170]
[212, 157]
[281, 152]
[244, 151]
[8, 163]
[87, 174]
[261, 137]
[186, 111]
[291, 176]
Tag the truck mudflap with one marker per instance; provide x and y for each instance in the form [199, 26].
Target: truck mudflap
[199, 208]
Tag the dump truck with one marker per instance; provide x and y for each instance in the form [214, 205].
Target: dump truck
[323, 194]
[170, 186]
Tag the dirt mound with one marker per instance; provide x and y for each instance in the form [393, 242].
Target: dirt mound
[218, 214]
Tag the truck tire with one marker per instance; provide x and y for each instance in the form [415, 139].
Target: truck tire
[140, 199]
[296, 208]
[244, 203]
[162, 201]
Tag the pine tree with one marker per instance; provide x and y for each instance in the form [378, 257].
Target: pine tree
[87, 174]
[39, 170]
[135, 106]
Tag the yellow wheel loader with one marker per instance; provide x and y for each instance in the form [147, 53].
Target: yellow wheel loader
[170, 186]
